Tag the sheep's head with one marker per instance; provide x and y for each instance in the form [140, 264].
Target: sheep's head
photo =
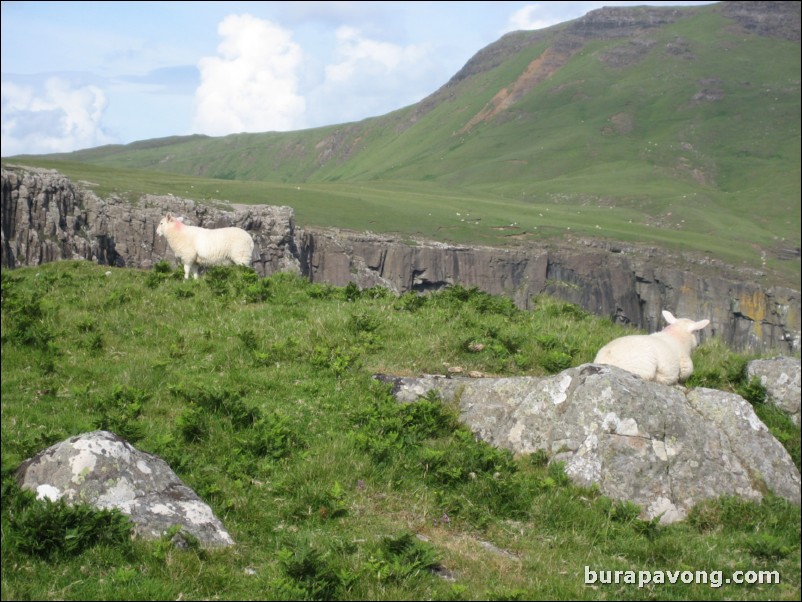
[684, 327]
[165, 222]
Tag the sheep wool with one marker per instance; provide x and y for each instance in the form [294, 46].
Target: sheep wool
[664, 357]
[197, 247]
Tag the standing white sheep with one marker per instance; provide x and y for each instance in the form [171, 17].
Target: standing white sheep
[196, 246]
[664, 357]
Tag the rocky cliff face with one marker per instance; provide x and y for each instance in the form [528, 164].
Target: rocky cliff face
[629, 284]
[47, 218]
[773, 19]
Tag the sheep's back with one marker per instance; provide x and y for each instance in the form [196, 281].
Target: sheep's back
[641, 354]
[223, 244]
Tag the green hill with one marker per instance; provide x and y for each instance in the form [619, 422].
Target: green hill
[668, 126]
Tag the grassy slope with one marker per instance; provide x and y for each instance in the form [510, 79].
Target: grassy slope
[258, 393]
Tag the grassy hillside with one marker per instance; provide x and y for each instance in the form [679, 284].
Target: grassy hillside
[685, 136]
[469, 216]
[258, 392]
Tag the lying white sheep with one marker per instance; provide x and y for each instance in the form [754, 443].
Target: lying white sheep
[664, 357]
[196, 246]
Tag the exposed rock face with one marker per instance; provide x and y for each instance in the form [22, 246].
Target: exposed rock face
[781, 377]
[660, 447]
[773, 19]
[102, 470]
[603, 23]
[629, 284]
[47, 218]
[618, 21]
[39, 217]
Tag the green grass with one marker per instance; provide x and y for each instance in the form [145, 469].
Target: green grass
[258, 392]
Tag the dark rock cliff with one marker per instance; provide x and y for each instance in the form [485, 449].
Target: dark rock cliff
[47, 218]
[628, 284]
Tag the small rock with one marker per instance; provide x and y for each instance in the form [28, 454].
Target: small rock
[105, 471]
[781, 378]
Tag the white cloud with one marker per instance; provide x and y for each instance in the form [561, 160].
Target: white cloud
[359, 53]
[58, 117]
[528, 18]
[370, 77]
[252, 84]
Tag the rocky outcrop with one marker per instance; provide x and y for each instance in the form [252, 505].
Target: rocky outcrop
[629, 284]
[104, 471]
[663, 448]
[47, 218]
[621, 22]
[38, 218]
[781, 377]
[776, 19]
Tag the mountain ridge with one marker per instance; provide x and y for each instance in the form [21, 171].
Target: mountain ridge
[319, 153]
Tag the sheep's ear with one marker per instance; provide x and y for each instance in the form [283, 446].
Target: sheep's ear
[699, 325]
[669, 316]
[169, 217]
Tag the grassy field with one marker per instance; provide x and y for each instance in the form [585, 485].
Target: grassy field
[259, 393]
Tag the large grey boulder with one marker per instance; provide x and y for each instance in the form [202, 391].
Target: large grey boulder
[103, 470]
[663, 448]
[781, 377]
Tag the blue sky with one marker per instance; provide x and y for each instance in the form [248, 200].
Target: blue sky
[82, 74]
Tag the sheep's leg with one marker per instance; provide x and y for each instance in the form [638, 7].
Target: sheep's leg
[195, 269]
[186, 271]
[667, 374]
[685, 368]
[664, 379]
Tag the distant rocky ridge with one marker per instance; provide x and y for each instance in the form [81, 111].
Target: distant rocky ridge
[46, 217]
[771, 19]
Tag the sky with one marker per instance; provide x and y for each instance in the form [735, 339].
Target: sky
[78, 75]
